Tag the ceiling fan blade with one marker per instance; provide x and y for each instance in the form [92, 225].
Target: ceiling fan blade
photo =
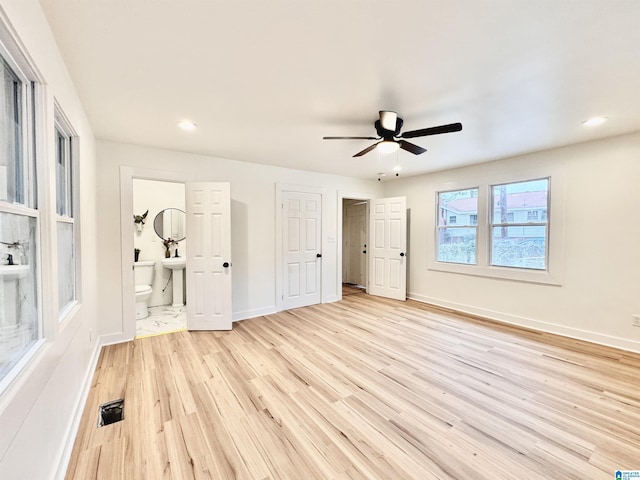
[411, 147]
[351, 138]
[366, 150]
[388, 120]
[452, 127]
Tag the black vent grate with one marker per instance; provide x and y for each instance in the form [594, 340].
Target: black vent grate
[110, 412]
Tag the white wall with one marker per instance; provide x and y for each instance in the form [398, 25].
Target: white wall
[253, 193]
[155, 196]
[601, 286]
[37, 411]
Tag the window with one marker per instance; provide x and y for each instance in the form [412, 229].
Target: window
[457, 232]
[65, 212]
[520, 244]
[496, 233]
[20, 328]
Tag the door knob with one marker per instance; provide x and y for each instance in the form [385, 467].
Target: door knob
[402, 254]
[364, 251]
[225, 264]
[318, 255]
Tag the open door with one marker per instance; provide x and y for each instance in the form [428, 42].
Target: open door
[387, 249]
[208, 256]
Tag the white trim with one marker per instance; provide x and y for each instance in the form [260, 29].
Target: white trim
[537, 325]
[71, 433]
[34, 154]
[12, 45]
[18, 369]
[256, 312]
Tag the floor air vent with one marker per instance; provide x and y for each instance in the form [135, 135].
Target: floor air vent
[110, 412]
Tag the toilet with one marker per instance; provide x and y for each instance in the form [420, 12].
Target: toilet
[143, 274]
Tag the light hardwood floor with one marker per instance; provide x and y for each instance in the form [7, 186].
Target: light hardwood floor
[365, 388]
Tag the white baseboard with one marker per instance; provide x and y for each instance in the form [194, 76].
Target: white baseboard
[256, 312]
[332, 298]
[576, 333]
[113, 338]
[74, 425]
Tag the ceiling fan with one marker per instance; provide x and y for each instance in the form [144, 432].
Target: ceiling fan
[388, 129]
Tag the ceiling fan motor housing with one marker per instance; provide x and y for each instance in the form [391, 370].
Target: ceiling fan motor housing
[388, 134]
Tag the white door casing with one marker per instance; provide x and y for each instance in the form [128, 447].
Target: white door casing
[302, 248]
[387, 248]
[209, 256]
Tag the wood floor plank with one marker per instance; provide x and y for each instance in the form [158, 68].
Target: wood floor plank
[365, 388]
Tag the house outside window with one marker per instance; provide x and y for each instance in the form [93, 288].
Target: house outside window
[519, 224]
[20, 324]
[456, 230]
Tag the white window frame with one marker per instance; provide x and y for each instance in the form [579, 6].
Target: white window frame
[32, 110]
[553, 275]
[62, 126]
[29, 188]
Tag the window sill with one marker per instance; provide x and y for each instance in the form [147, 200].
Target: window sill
[546, 277]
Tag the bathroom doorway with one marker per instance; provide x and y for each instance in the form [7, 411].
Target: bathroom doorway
[156, 236]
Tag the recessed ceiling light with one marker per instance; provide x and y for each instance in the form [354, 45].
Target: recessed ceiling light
[187, 125]
[594, 121]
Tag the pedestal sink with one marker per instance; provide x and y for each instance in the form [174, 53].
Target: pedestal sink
[13, 272]
[176, 264]
[10, 274]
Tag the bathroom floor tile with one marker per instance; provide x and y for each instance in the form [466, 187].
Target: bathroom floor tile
[162, 319]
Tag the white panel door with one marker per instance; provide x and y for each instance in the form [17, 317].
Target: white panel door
[388, 248]
[208, 256]
[302, 218]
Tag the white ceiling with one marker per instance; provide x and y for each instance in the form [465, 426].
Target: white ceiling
[265, 80]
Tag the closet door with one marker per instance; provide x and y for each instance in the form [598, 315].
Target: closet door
[302, 220]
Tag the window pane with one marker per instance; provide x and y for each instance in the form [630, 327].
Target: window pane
[11, 167]
[457, 245]
[521, 246]
[61, 174]
[458, 208]
[19, 324]
[66, 266]
[521, 202]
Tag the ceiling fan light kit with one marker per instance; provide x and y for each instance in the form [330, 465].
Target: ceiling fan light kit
[390, 139]
[387, 146]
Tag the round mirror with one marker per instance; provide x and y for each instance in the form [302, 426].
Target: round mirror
[169, 223]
